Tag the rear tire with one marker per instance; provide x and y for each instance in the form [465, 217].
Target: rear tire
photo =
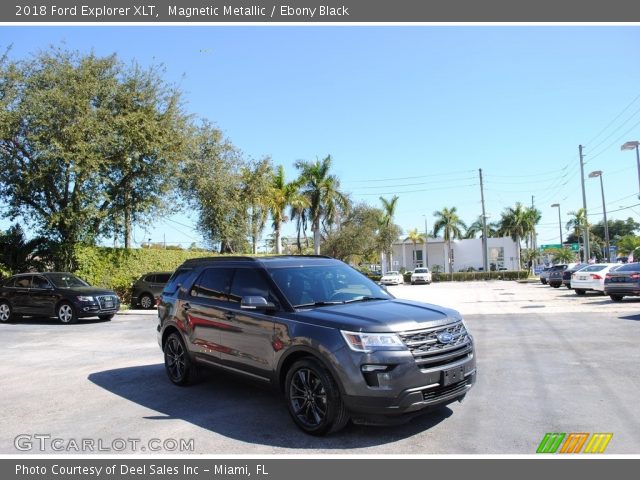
[314, 399]
[177, 362]
[5, 312]
[616, 298]
[66, 313]
[105, 318]
[579, 291]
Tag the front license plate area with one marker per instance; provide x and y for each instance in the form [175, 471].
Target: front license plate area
[108, 304]
[452, 375]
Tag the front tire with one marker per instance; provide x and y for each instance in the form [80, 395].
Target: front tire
[146, 301]
[313, 398]
[5, 312]
[66, 313]
[579, 291]
[177, 362]
[105, 318]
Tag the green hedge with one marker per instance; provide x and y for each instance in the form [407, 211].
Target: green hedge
[117, 268]
[469, 276]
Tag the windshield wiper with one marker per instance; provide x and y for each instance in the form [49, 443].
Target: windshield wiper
[364, 299]
[317, 304]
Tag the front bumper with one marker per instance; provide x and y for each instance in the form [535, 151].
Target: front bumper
[420, 280]
[96, 308]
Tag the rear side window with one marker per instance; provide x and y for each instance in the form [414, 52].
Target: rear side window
[162, 277]
[150, 279]
[629, 267]
[594, 268]
[213, 283]
[178, 278]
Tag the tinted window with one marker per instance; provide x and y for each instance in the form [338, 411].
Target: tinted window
[248, 282]
[594, 268]
[23, 282]
[213, 283]
[178, 278]
[163, 277]
[39, 282]
[66, 280]
[422, 270]
[629, 267]
[150, 279]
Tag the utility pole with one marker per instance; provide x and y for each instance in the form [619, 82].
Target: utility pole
[587, 253]
[485, 256]
[534, 245]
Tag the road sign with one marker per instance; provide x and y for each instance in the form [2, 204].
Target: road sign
[575, 247]
[552, 246]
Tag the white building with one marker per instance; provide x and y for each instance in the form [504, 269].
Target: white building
[465, 254]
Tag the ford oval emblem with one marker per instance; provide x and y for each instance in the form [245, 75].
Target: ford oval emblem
[445, 337]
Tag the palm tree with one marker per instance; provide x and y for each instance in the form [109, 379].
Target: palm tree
[386, 233]
[283, 194]
[322, 191]
[517, 223]
[415, 237]
[449, 221]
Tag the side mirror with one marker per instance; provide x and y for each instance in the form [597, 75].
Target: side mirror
[256, 303]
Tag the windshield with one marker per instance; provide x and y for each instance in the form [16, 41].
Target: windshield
[325, 285]
[392, 272]
[66, 280]
[421, 270]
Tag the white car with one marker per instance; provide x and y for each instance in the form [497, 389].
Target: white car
[421, 275]
[392, 278]
[591, 277]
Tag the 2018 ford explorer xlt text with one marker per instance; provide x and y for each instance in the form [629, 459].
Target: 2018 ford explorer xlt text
[335, 343]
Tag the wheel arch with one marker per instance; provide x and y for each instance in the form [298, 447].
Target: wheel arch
[299, 353]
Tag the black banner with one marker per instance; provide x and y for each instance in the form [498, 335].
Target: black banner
[318, 11]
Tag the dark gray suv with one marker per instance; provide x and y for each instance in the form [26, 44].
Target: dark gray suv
[336, 344]
[147, 288]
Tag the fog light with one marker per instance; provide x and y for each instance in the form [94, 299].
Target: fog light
[374, 368]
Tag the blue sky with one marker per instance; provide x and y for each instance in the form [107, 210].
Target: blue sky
[413, 111]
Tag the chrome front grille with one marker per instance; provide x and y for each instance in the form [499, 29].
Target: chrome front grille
[429, 352]
[104, 299]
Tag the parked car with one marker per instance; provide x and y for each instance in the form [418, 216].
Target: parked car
[570, 270]
[392, 278]
[336, 344]
[623, 281]
[421, 275]
[554, 278]
[55, 294]
[591, 277]
[544, 275]
[147, 288]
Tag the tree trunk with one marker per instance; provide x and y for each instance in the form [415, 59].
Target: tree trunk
[316, 241]
[278, 239]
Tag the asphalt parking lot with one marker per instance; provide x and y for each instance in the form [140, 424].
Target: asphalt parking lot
[548, 361]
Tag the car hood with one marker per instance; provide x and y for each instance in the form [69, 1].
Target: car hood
[88, 291]
[379, 316]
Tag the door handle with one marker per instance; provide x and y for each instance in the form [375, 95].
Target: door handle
[230, 316]
[186, 306]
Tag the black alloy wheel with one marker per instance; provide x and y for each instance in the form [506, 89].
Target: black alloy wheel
[313, 398]
[177, 362]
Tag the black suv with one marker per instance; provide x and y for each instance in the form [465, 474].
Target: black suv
[55, 294]
[554, 277]
[147, 288]
[335, 343]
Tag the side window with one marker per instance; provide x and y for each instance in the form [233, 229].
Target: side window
[162, 278]
[11, 282]
[23, 282]
[150, 279]
[249, 282]
[178, 278]
[39, 282]
[213, 283]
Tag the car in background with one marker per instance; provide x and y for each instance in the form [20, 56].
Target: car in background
[554, 278]
[591, 277]
[55, 294]
[623, 281]
[147, 288]
[544, 275]
[421, 275]
[570, 270]
[392, 277]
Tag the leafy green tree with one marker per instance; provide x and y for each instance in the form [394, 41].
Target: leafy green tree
[283, 194]
[476, 228]
[448, 221]
[415, 237]
[355, 240]
[85, 142]
[628, 244]
[518, 222]
[562, 255]
[325, 199]
[17, 254]
[256, 193]
[388, 231]
[617, 228]
[212, 182]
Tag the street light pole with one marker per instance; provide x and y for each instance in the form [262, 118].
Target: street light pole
[559, 221]
[587, 251]
[426, 243]
[631, 146]
[598, 173]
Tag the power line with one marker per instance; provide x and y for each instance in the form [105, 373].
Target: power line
[448, 174]
[612, 121]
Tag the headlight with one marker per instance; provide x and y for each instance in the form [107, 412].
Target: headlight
[367, 342]
[85, 299]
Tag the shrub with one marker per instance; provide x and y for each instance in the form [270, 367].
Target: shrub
[469, 276]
